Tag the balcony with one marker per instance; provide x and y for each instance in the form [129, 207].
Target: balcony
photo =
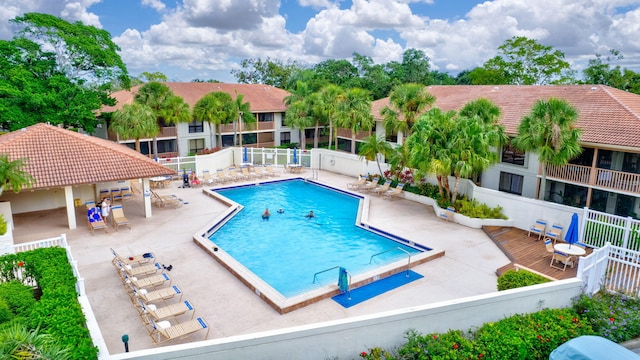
[263, 125]
[602, 178]
[346, 133]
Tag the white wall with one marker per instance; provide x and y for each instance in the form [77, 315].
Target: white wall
[346, 338]
[491, 177]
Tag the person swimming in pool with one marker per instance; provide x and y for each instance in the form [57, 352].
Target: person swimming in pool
[266, 214]
[280, 211]
[310, 215]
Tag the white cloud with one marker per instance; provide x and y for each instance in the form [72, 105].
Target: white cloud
[154, 4]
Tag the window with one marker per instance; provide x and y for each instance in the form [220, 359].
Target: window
[511, 155]
[511, 183]
[285, 138]
[196, 145]
[227, 140]
[309, 133]
[265, 117]
[195, 127]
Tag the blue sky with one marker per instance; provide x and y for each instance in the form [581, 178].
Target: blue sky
[205, 39]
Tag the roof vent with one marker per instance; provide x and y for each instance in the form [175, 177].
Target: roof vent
[496, 88]
[593, 88]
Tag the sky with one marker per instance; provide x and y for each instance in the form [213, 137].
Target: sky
[206, 39]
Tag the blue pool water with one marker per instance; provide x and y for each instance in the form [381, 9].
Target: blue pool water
[288, 249]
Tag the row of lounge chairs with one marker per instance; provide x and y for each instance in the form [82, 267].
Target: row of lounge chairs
[385, 190]
[116, 194]
[165, 200]
[238, 174]
[540, 228]
[150, 289]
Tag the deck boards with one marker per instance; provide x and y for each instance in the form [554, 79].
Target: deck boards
[526, 251]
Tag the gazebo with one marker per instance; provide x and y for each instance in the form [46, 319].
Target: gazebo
[67, 167]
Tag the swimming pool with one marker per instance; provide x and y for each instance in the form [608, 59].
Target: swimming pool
[288, 249]
[305, 281]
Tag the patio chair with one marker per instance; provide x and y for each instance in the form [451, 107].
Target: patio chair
[164, 200]
[133, 260]
[395, 192]
[164, 331]
[118, 218]
[152, 281]
[370, 185]
[155, 295]
[207, 178]
[260, 171]
[357, 184]
[95, 221]
[538, 228]
[247, 174]
[236, 175]
[90, 204]
[381, 189]
[562, 258]
[549, 246]
[104, 193]
[448, 213]
[151, 311]
[126, 193]
[271, 171]
[116, 194]
[136, 271]
[554, 233]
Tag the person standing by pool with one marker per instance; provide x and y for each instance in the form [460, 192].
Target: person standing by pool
[266, 214]
[310, 215]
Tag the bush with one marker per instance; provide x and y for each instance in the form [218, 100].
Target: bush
[18, 299]
[615, 317]
[513, 279]
[474, 209]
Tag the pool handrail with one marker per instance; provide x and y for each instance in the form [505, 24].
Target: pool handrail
[389, 250]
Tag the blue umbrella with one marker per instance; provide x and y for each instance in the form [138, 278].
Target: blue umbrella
[343, 280]
[295, 155]
[571, 236]
[245, 158]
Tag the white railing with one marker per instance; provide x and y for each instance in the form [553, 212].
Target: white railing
[600, 228]
[612, 268]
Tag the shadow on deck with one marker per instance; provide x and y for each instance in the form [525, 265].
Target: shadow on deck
[528, 252]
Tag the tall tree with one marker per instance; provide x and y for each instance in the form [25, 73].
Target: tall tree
[354, 113]
[155, 95]
[245, 116]
[326, 106]
[372, 147]
[299, 113]
[407, 102]
[154, 76]
[134, 121]
[174, 111]
[414, 68]
[524, 61]
[83, 53]
[215, 108]
[269, 71]
[550, 131]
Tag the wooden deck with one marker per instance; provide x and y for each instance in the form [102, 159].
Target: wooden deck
[525, 251]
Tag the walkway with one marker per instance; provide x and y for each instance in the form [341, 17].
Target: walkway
[468, 267]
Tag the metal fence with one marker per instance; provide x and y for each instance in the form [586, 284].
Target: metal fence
[601, 228]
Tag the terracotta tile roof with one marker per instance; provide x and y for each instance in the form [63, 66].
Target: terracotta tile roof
[607, 116]
[262, 98]
[57, 157]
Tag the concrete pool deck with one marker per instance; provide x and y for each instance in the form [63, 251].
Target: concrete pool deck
[467, 268]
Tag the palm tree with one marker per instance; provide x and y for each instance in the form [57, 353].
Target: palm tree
[407, 102]
[135, 121]
[215, 108]
[245, 116]
[16, 342]
[549, 130]
[326, 106]
[354, 112]
[373, 146]
[175, 110]
[298, 117]
[12, 174]
[154, 95]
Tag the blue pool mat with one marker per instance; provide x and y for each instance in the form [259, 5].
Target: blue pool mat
[376, 288]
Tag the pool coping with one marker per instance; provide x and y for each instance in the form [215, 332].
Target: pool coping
[267, 293]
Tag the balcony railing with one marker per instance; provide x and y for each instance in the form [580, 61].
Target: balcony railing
[263, 125]
[604, 178]
[346, 133]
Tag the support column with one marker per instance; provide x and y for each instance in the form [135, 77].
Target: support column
[71, 207]
[146, 197]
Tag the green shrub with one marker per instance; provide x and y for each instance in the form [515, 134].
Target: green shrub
[450, 345]
[615, 317]
[519, 278]
[474, 209]
[3, 225]
[5, 313]
[18, 298]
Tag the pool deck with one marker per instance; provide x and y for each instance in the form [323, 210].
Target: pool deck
[467, 268]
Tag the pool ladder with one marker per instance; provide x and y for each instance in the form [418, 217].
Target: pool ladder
[315, 277]
[396, 248]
